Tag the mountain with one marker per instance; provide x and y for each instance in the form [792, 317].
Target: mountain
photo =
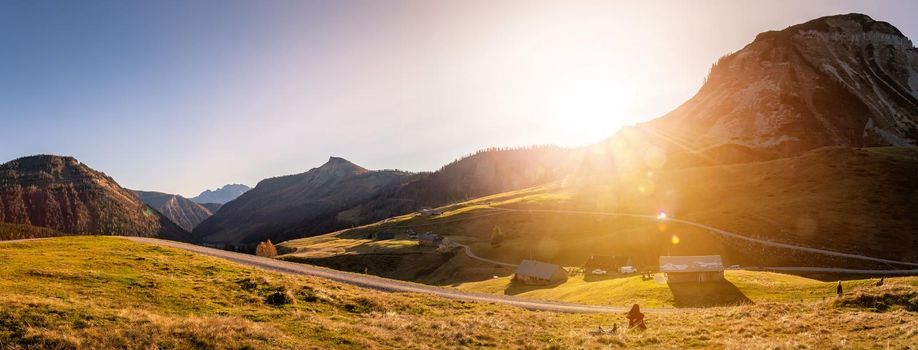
[297, 205]
[221, 195]
[180, 210]
[65, 195]
[485, 172]
[213, 207]
[781, 144]
[844, 80]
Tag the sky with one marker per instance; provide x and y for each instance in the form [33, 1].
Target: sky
[182, 96]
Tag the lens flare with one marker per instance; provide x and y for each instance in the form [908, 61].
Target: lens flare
[661, 215]
[655, 157]
[675, 239]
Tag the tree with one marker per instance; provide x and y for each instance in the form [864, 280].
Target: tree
[266, 249]
[497, 237]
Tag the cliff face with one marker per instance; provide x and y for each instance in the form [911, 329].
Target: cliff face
[65, 195]
[834, 81]
[178, 209]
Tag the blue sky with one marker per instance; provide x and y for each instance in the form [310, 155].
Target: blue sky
[179, 96]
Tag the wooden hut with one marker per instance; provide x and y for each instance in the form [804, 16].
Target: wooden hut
[429, 239]
[683, 269]
[539, 273]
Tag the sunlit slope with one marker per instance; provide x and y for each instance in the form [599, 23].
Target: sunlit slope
[843, 199]
[101, 293]
[742, 287]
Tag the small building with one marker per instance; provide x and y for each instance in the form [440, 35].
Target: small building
[683, 269]
[533, 272]
[383, 235]
[607, 263]
[428, 212]
[429, 239]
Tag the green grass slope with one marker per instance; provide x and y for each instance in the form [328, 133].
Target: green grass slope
[110, 293]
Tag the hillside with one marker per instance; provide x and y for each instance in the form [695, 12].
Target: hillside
[485, 172]
[62, 194]
[842, 80]
[289, 206]
[213, 207]
[221, 195]
[111, 293]
[841, 199]
[297, 205]
[178, 209]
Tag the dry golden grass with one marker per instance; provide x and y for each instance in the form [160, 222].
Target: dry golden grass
[108, 293]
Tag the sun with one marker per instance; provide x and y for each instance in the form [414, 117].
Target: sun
[589, 109]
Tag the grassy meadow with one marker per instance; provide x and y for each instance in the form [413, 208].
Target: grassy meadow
[741, 287]
[102, 292]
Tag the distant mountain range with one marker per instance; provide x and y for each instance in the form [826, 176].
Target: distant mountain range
[221, 195]
[340, 194]
[181, 211]
[297, 205]
[65, 195]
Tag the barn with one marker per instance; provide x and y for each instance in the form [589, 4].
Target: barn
[687, 269]
[539, 273]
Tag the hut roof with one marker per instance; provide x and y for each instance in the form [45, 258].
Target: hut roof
[427, 236]
[701, 263]
[537, 269]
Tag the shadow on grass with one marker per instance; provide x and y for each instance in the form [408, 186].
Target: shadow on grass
[515, 288]
[829, 277]
[707, 294]
[599, 278]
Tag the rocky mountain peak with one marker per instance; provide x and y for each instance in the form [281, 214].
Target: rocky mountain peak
[852, 23]
[341, 165]
[844, 80]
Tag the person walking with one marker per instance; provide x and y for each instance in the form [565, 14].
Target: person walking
[838, 289]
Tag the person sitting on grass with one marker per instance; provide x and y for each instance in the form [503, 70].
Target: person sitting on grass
[636, 318]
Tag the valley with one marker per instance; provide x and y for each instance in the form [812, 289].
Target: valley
[775, 208]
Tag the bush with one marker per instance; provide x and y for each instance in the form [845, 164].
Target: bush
[279, 297]
[266, 249]
[497, 237]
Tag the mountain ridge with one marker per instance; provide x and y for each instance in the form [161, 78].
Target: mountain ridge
[843, 80]
[60, 193]
[180, 210]
[286, 206]
[221, 195]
